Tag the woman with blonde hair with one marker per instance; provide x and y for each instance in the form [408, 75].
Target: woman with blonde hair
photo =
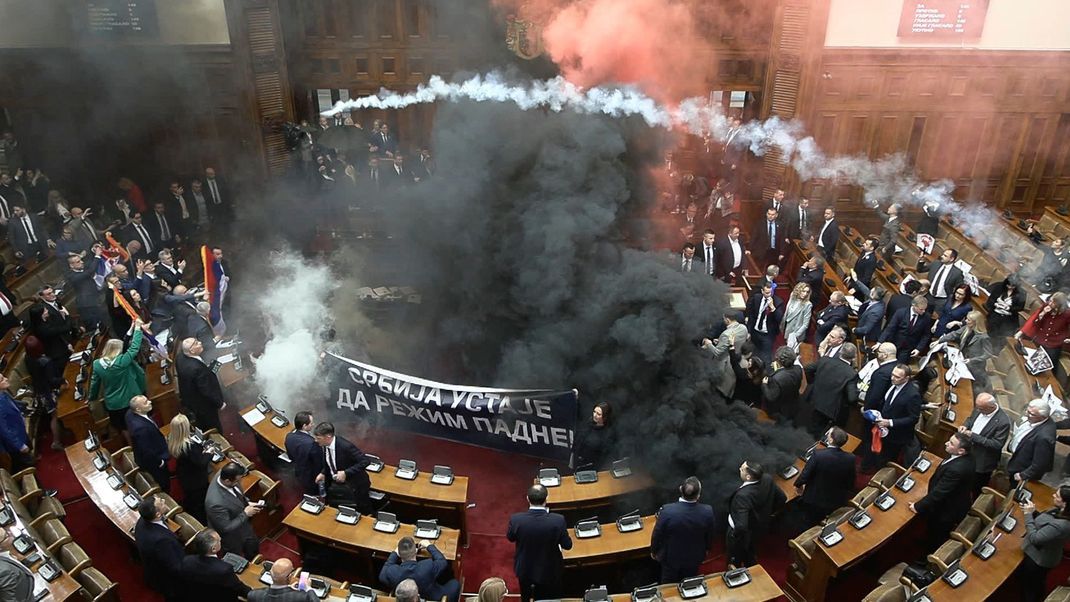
[192, 465]
[797, 315]
[493, 589]
[119, 378]
[976, 347]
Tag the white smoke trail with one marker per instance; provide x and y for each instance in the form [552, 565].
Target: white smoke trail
[885, 180]
[294, 308]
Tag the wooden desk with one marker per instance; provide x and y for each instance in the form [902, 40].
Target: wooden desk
[986, 576]
[963, 391]
[445, 501]
[74, 415]
[611, 546]
[251, 577]
[856, 545]
[760, 589]
[61, 588]
[108, 500]
[787, 485]
[570, 495]
[361, 539]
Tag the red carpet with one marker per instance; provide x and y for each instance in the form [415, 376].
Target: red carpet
[496, 488]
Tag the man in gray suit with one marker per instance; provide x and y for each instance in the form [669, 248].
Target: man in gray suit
[726, 384]
[280, 590]
[230, 512]
[986, 429]
[1032, 444]
[16, 581]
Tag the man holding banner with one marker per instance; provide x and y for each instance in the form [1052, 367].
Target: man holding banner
[216, 283]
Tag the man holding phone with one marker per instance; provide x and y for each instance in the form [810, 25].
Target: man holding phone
[281, 590]
[402, 565]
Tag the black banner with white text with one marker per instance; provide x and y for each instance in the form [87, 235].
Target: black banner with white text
[532, 422]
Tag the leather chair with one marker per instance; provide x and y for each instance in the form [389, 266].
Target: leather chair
[124, 460]
[886, 477]
[968, 530]
[219, 440]
[74, 559]
[864, 498]
[987, 505]
[893, 591]
[97, 586]
[947, 553]
[171, 507]
[1059, 594]
[839, 515]
[54, 535]
[188, 527]
[143, 483]
[802, 551]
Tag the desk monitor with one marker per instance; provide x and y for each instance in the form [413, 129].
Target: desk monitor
[7, 516]
[588, 528]
[428, 529]
[586, 476]
[621, 468]
[920, 596]
[23, 543]
[91, 442]
[262, 404]
[905, 482]
[596, 594]
[984, 548]
[630, 522]
[954, 575]
[646, 593]
[100, 461]
[265, 573]
[116, 481]
[692, 587]
[375, 463]
[347, 515]
[789, 472]
[884, 501]
[361, 593]
[311, 504]
[319, 587]
[386, 522]
[132, 500]
[236, 562]
[922, 464]
[805, 456]
[280, 421]
[830, 535]
[549, 477]
[736, 578]
[442, 475]
[406, 470]
[49, 571]
[860, 520]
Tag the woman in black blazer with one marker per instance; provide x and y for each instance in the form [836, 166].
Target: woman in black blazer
[192, 466]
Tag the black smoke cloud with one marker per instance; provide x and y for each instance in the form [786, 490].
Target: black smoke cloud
[527, 250]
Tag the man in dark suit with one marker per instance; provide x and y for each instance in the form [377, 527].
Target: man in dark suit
[780, 390]
[218, 195]
[899, 414]
[209, 578]
[181, 210]
[865, 266]
[777, 201]
[402, 565]
[944, 276]
[161, 552]
[731, 256]
[834, 314]
[770, 240]
[342, 472]
[1032, 444]
[688, 262]
[199, 326]
[948, 499]
[799, 220]
[910, 330]
[384, 141]
[706, 253]
[198, 386]
[902, 300]
[88, 300]
[230, 512]
[881, 378]
[28, 236]
[398, 173]
[827, 481]
[159, 227]
[58, 332]
[832, 390]
[812, 272]
[986, 430]
[682, 534]
[150, 447]
[763, 316]
[539, 535]
[750, 510]
[139, 231]
[828, 235]
[169, 270]
[306, 457]
[281, 590]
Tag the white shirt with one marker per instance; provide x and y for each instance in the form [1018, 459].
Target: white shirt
[707, 253]
[939, 290]
[732, 523]
[329, 450]
[981, 421]
[821, 236]
[737, 252]
[233, 490]
[1020, 432]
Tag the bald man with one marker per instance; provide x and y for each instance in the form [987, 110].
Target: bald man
[987, 430]
[198, 387]
[281, 590]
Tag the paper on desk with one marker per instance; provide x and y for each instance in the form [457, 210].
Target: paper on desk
[253, 417]
[866, 374]
[853, 303]
[929, 355]
[77, 357]
[1037, 361]
[1054, 403]
[898, 249]
[225, 359]
[226, 344]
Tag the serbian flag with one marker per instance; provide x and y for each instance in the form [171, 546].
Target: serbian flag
[150, 338]
[215, 287]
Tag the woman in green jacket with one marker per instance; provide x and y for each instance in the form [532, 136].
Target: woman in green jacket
[120, 376]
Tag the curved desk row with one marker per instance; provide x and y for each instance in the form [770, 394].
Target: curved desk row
[64, 587]
[760, 589]
[787, 484]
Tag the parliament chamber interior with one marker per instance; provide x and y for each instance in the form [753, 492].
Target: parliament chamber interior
[595, 300]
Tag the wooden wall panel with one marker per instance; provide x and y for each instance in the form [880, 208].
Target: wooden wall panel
[996, 123]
